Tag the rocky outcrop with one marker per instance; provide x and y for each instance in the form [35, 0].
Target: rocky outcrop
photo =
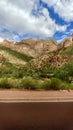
[48, 60]
[36, 47]
[58, 61]
[66, 42]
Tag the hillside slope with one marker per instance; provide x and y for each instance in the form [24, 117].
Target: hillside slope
[13, 56]
[52, 64]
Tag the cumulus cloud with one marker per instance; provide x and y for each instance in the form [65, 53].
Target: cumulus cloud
[1, 39]
[64, 8]
[17, 15]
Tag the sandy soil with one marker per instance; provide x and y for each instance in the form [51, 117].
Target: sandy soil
[19, 95]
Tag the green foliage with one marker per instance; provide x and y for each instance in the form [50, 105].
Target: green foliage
[7, 83]
[65, 72]
[46, 84]
[10, 70]
[67, 51]
[4, 83]
[30, 83]
[70, 86]
[55, 84]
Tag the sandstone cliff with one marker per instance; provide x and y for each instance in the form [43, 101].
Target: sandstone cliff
[32, 47]
[66, 42]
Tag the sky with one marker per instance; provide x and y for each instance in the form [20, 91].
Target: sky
[44, 19]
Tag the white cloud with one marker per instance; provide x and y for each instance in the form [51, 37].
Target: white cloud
[1, 39]
[62, 7]
[16, 15]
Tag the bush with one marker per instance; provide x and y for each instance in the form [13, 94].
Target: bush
[65, 72]
[55, 84]
[30, 83]
[46, 84]
[64, 86]
[4, 83]
[15, 83]
[8, 83]
[33, 84]
[70, 86]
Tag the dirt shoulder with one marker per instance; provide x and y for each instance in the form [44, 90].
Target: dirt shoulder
[35, 96]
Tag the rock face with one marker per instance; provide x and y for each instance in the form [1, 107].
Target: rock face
[48, 60]
[32, 47]
[35, 47]
[7, 44]
[66, 42]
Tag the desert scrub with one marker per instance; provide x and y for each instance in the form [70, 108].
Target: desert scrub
[56, 84]
[65, 72]
[46, 85]
[7, 83]
[4, 83]
[30, 83]
[15, 83]
[70, 86]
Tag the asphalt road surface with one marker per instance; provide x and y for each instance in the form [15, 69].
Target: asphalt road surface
[36, 116]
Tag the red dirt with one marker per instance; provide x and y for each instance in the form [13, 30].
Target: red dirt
[36, 95]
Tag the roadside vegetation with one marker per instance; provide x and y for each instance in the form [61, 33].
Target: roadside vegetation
[29, 83]
[19, 77]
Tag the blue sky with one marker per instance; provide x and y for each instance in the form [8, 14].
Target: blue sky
[22, 19]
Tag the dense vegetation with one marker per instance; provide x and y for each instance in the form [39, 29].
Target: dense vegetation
[33, 84]
[12, 76]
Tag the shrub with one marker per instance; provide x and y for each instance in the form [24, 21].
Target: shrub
[65, 72]
[15, 83]
[30, 83]
[46, 84]
[64, 86]
[55, 84]
[4, 83]
[70, 86]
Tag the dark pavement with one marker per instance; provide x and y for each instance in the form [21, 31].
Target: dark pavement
[36, 116]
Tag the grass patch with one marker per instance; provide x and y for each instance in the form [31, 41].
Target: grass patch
[30, 84]
[4, 83]
[54, 84]
[67, 51]
[46, 84]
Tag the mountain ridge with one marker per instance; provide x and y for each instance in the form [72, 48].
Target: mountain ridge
[35, 47]
[32, 47]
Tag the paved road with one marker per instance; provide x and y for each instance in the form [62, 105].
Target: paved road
[36, 110]
[36, 116]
